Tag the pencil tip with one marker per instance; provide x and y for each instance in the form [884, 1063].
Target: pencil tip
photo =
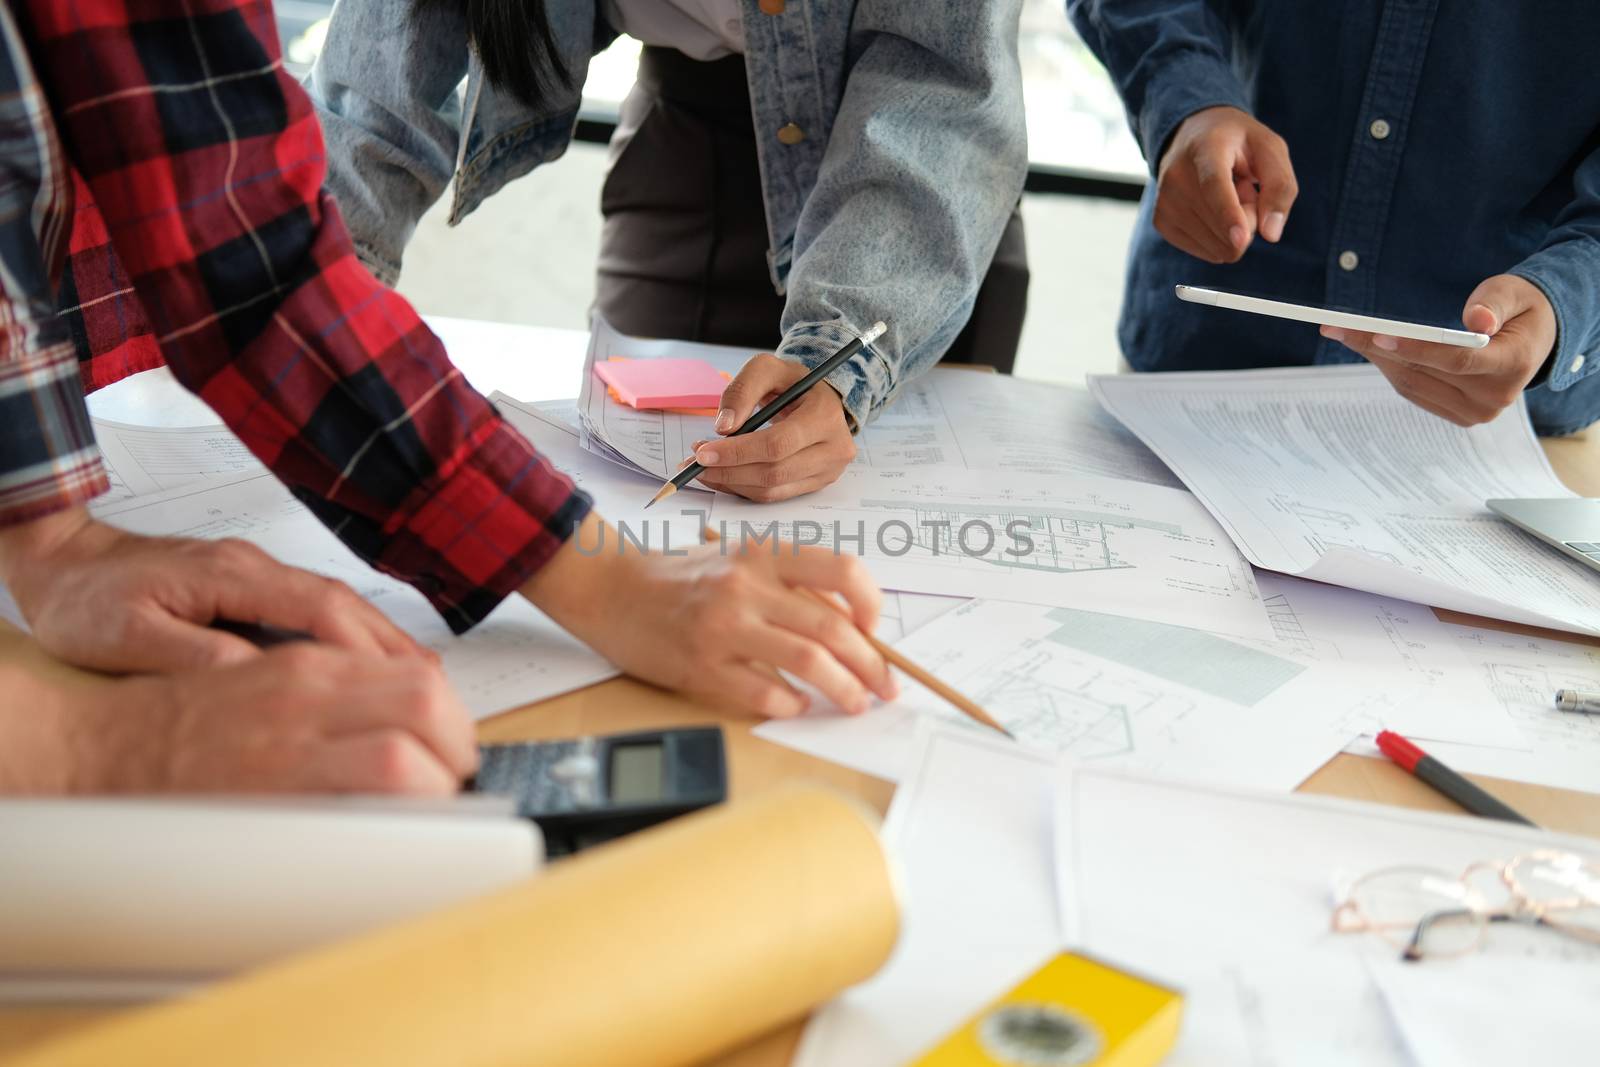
[664, 492]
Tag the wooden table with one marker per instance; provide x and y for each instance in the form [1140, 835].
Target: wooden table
[754, 765]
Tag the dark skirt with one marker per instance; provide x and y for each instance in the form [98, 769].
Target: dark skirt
[683, 250]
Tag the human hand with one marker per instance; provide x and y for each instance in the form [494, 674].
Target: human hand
[299, 718]
[109, 600]
[1469, 385]
[803, 449]
[714, 623]
[1224, 178]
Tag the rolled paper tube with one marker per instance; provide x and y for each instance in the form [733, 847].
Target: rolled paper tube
[663, 948]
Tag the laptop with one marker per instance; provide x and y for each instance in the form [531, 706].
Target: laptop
[1571, 524]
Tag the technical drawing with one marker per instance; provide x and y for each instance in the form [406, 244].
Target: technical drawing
[1062, 539]
[1075, 706]
[1286, 625]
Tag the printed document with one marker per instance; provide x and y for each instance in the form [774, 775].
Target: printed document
[1327, 473]
[1416, 678]
[1229, 894]
[514, 657]
[1191, 706]
[1103, 544]
[1016, 532]
[970, 832]
[948, 416]
[1520, 676]
[149, 459]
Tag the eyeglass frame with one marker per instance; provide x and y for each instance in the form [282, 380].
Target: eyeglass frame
[1520, 906]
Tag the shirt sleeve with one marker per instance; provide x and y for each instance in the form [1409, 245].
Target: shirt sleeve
[1166, 58]
[1565, 268]
[925, 162]
[48, 458]
[206, 163]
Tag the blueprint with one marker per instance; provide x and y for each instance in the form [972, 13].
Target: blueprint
[1228, 893]
[1521, 675]
[148, 459]
[513, 657]
[1327, 473]
[949, 416]
[1417, 679]
[1250, 717]
[1124, 548]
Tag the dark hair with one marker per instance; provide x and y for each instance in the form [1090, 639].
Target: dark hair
[515, 43]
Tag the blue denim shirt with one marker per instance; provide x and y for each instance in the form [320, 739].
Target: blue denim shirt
[1440, 143]
[891, 207]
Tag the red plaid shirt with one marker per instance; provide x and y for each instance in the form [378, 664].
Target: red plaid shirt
[203, 239]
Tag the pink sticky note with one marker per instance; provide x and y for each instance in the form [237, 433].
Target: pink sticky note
[664, 383]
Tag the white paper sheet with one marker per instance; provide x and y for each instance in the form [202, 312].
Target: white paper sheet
[1230, 894]
[1458, 1012]
[1521, 675]
[148, 459]
[970, 832]
[904, 613]
[1326, 472]
[948, 416]
[1204, 708]
[1119, 547]
[514, 657]
[997, 422]
[1415, 676]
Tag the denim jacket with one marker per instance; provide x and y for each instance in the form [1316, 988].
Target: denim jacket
[890, 207]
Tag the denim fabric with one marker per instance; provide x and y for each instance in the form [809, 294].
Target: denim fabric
[1487, 162]
[890, 207]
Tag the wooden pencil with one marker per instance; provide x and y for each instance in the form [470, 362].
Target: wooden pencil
[899, 659]
[926, 677]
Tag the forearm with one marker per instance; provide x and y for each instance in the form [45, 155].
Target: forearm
[586, 579]
[263, 310]
[924, 165]
[1167, 58]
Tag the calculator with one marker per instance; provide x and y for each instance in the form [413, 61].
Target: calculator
[591, 789]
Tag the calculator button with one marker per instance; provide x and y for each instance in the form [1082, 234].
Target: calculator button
[577, 767]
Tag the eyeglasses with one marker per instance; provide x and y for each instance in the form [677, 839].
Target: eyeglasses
[1426, 912]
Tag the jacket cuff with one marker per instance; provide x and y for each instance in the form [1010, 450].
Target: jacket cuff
[1189, 82]
[1565, 273]
[866, 381]
[48, 457]
[477, 532]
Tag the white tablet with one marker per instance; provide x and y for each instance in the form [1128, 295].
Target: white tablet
[1323, 317]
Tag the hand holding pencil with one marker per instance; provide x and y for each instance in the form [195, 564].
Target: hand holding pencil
[806, 451]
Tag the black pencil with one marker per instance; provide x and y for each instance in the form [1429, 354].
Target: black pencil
[784, 399]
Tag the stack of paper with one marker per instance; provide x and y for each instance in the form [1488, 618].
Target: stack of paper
[947, 417]
[1225, 893]
[1328, 473]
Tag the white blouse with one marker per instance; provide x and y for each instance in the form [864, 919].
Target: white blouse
[700, 29]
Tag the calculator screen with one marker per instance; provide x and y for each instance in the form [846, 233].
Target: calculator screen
[636, 773]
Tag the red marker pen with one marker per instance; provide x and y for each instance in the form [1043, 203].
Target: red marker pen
[1417, 762]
